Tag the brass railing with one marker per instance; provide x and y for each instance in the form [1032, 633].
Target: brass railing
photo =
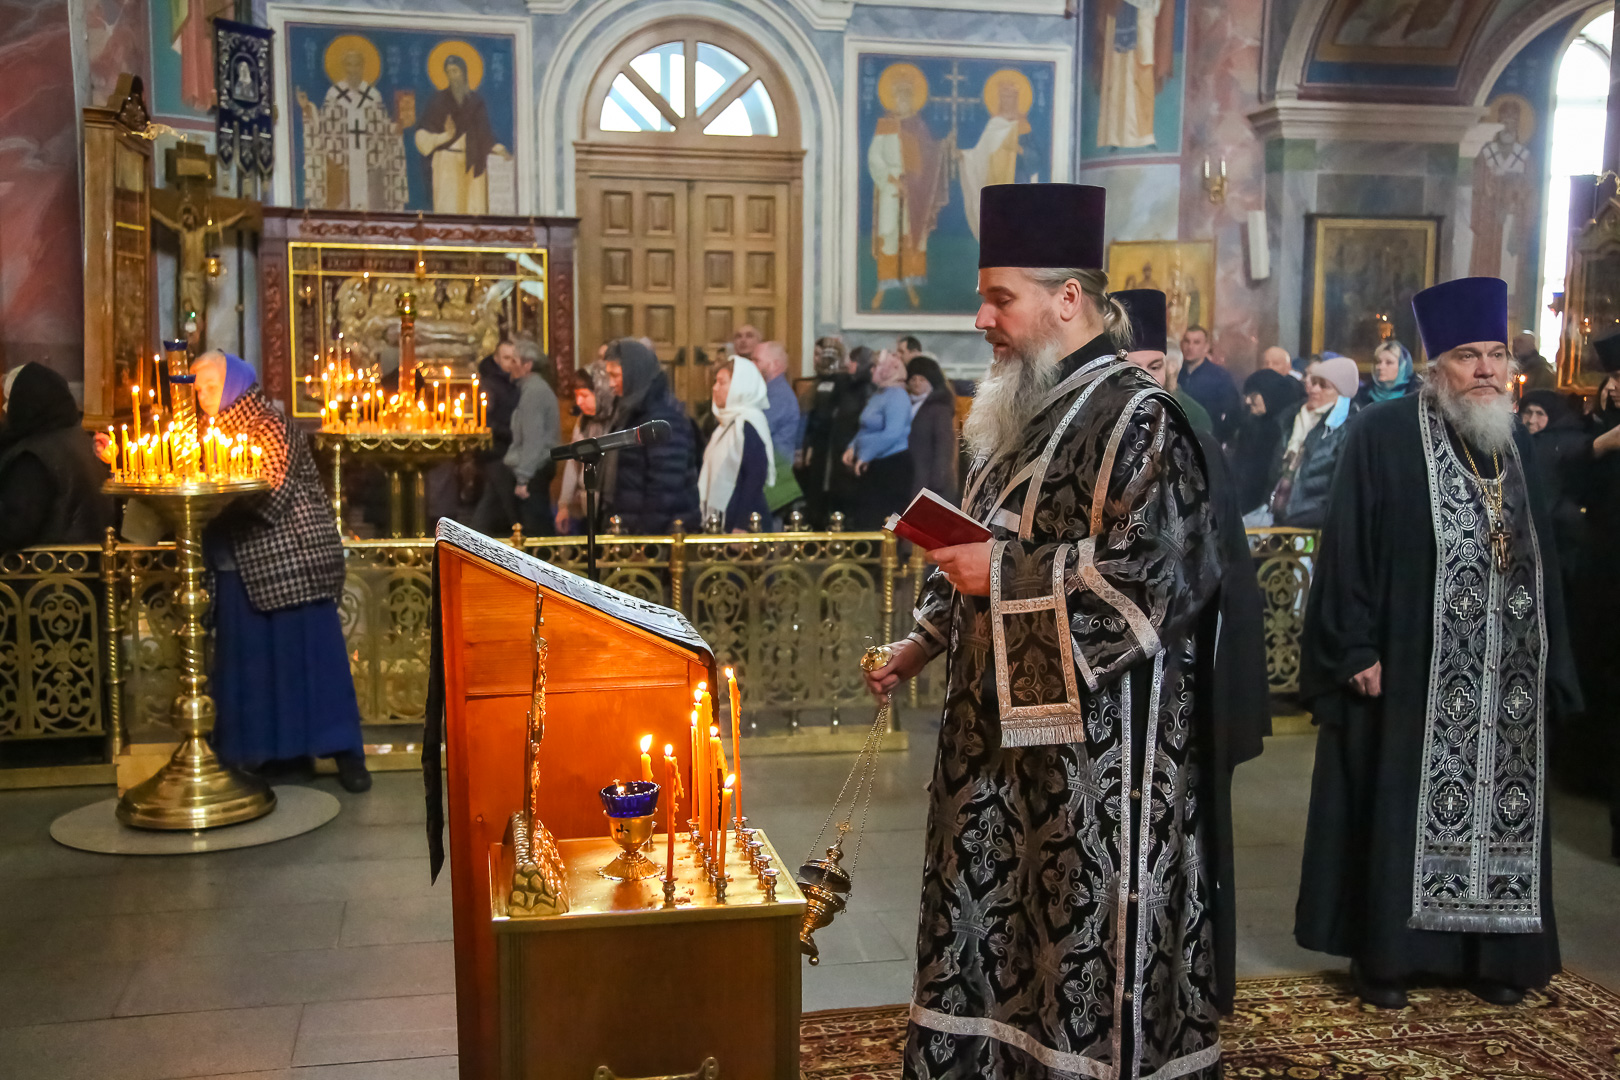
[791, 610]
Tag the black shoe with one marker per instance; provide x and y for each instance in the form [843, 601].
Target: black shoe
[352, 772]
[285, 770]
[1495, 993]
[1380, 995]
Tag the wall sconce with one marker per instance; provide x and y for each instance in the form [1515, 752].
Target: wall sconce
[1215, 183]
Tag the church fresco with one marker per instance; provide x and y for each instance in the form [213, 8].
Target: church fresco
[400, 119]
[183, 57]
[1131, 104]
[931, 131]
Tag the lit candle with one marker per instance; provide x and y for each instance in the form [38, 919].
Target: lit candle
[671, 772]
[135, 404]
[725, 812]
[646, 758]
[123, 456]
[736, 737]
[694, 805]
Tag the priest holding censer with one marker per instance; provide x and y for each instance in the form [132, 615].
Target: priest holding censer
[1071, 919]
[281, 676]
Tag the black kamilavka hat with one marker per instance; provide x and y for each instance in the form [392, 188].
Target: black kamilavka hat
[1608, 352]
[1041, 226]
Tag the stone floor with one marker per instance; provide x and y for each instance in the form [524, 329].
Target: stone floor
[328, 956]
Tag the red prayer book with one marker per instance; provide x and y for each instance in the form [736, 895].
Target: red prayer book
[932, 523]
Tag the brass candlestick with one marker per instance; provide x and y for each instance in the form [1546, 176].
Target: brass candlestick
[193, 791]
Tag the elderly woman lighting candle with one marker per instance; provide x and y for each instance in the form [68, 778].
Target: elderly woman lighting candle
[281, 669]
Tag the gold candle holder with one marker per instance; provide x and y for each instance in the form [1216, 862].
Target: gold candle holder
[193, 791]
[630, 834]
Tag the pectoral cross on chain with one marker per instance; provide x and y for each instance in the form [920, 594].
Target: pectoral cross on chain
[1499, 544]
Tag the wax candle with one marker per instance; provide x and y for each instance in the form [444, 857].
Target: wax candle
[725, 812]
[694, 803]
[123, 446]
[670, 774]
[736, 739]
[717, 769]
[135, 404]
[646, 758]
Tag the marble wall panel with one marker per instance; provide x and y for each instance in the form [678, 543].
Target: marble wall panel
[1352, 193]
[117, 41]
[1144, 201]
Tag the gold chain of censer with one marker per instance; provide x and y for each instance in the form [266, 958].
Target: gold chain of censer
[827, 885]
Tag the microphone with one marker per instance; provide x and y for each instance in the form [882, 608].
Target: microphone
[653, 431]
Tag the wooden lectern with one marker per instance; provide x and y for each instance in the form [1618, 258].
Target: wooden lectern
[618, 669]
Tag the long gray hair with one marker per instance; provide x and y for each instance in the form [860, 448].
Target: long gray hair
[1094, 287]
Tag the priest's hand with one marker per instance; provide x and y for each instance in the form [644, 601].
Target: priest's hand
[966, 566]
[1369, 683]
[906, 660]
[521, 491]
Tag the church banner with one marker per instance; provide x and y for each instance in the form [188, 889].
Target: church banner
[400, 113]
[927, 128]
[244, 123]
[1135, 72]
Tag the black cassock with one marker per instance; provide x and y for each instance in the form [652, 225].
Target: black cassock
[1427, 846]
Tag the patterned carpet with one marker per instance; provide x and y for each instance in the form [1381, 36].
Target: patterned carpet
[1312, 1028]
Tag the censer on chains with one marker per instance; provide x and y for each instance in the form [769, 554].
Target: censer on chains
[826, 884]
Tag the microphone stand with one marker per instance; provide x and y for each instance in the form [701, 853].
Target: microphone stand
[591, 466]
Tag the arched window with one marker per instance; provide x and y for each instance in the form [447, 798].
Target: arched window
[694, 87]
[1580, 104]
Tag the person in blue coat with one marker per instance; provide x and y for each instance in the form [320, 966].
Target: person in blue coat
[737, 467]
[654, 486]
[880, 454]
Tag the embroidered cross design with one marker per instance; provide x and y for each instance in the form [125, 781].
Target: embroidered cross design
[1452, 803]
[1519, 604]
[1467, 603]
[1517, 701]
[1460, 702]
[1513, 803]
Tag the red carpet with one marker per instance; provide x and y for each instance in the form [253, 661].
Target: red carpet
[1311, 1027]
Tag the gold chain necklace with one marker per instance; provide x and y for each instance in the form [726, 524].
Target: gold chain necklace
[1495, 516]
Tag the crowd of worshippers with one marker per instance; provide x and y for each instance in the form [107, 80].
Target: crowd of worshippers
[857, 440]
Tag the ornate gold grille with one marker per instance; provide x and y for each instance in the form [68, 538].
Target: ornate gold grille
[791, 610]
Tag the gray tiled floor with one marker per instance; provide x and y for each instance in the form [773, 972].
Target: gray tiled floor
[328, 956]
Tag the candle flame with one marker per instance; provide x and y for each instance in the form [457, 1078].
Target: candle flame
[714, 732]
[731, 778]
[646, 743]
[702, 685]
[669, 749]
[697, 695]
[731, 673]
[694, 717]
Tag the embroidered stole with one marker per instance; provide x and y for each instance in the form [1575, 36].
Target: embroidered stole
[1482, 788]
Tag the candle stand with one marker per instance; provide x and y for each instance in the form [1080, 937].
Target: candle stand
[405, 456]
[193, 791]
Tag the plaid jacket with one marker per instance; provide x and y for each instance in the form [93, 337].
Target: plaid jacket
[285, 542]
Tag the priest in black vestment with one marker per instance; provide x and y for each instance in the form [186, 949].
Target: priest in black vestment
[1071, 920]
[1435, 658]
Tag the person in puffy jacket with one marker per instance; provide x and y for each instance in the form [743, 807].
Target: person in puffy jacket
[655, 486]
[50, 477]
[1313, 433]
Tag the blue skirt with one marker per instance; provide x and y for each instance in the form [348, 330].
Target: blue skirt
[281, 681]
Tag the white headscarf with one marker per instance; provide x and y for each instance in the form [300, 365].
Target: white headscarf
[745, 404]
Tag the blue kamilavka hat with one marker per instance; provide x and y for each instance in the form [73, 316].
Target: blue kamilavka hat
[1147, 310]
[1457, 312]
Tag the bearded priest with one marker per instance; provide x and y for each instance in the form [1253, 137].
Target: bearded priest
[1435, 657]
[1068, 921]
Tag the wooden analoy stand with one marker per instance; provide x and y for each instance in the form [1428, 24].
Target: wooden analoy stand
[616, 983]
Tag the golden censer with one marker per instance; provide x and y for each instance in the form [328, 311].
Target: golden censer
[825, 883]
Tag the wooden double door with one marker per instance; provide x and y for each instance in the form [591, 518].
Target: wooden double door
[685, 262]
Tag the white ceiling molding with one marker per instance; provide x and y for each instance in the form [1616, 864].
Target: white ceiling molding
[1352, 121]
[1296, 53]
[820, 14]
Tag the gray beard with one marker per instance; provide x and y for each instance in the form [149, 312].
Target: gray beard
[1009, 397]
[1483, 425]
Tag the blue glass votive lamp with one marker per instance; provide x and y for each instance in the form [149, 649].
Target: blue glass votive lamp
[631, 808]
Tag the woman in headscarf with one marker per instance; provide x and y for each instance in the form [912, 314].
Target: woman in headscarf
[281, 677]
[738, 465]
[1253, 451]
[594, 402]
[1392, 375]
[879, 457]
[656, 485]
[933, 441]
[1313, 435]
[50, 474]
